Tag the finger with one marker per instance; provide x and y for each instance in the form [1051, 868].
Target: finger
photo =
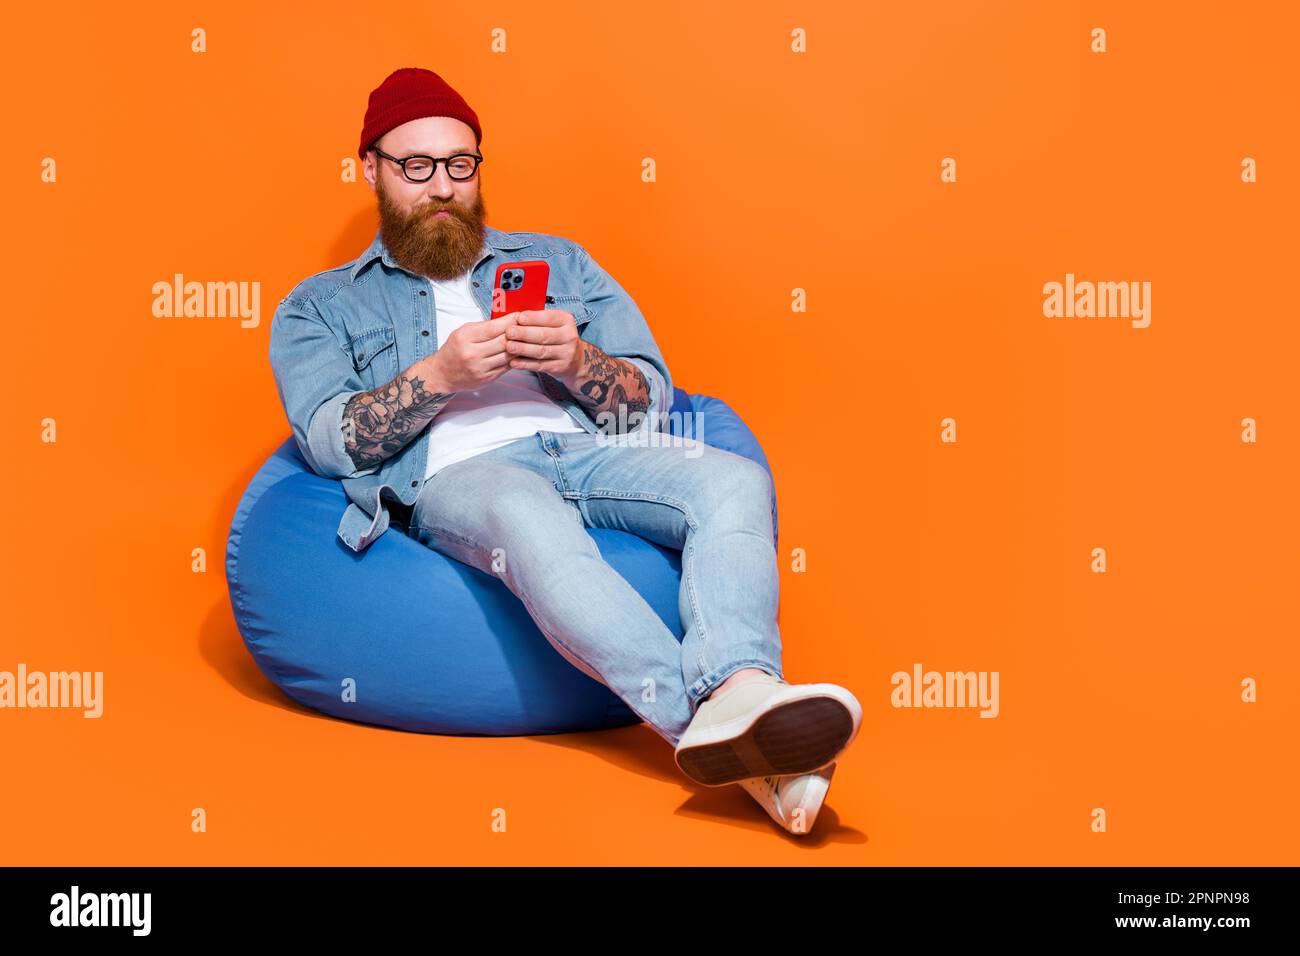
[486, 346]
[493, 346]
[525, 349]
[489, 328]
[546, 317]
[544, 334]
[553, 365]
[478, 351]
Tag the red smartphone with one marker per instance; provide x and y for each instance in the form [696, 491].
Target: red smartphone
[520, 286]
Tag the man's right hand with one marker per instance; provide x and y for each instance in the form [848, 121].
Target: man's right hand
[474, 355]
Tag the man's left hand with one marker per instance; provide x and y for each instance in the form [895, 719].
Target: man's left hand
[546, 340]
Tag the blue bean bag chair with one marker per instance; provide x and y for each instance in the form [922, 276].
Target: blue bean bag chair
[433, 645]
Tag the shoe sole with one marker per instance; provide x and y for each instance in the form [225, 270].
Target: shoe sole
[797, 737]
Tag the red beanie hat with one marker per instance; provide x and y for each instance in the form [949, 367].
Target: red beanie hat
[410, 93]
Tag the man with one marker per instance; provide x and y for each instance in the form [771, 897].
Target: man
[483, 436]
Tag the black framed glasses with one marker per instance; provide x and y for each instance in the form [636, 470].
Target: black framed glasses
[420, 168]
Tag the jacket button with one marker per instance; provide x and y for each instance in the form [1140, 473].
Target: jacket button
[414, 482]
[424, 292]
[476, 285]
[360, 356]
[424, 331]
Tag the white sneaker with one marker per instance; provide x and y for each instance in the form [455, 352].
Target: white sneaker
[764, 727]
[793, 800]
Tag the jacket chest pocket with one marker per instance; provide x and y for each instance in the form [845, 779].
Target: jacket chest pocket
[373, 355]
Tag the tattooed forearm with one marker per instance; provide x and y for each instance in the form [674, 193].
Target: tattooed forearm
[608, 384]
[379, 423]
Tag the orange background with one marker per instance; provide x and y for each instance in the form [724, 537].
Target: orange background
[776, 171]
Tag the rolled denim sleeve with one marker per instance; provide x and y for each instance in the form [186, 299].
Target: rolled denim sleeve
[659, 403]
[619, 329]
[325, 439]
[314, 378]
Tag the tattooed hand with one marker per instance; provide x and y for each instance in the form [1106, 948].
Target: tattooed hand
[548, 341]
[545, 340]
[474, 354]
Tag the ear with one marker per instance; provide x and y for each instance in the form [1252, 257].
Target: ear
[370, 169]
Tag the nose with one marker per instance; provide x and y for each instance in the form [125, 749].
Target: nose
[440, 184]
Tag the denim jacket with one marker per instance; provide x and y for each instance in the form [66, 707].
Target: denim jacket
[355, 327]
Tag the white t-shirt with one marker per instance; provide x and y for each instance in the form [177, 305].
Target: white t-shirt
[513, 406]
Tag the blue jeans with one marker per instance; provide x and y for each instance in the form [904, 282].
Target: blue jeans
[533, 498]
